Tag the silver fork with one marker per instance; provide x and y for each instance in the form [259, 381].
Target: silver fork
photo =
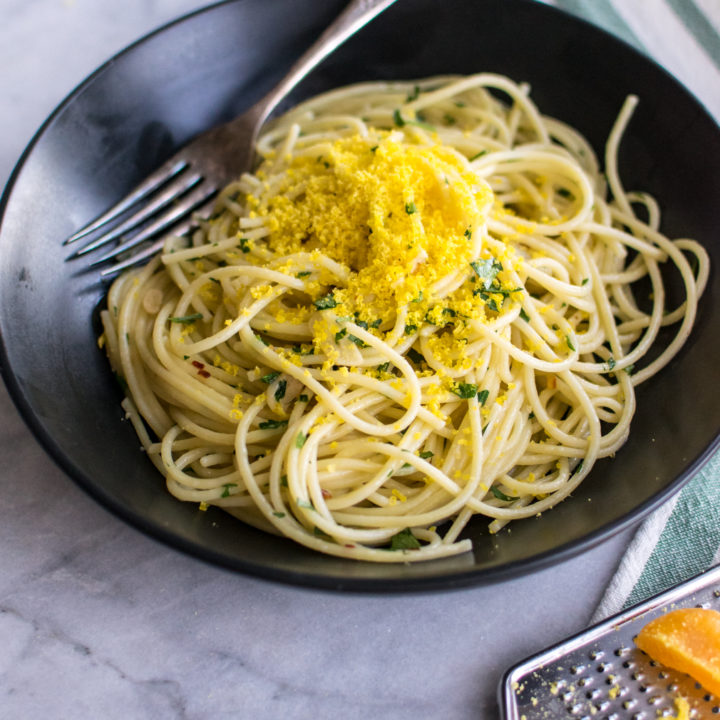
[182, 189]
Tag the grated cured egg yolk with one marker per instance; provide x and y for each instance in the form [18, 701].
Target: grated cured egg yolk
[401, 216]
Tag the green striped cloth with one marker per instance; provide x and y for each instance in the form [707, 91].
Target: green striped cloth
[682, 538]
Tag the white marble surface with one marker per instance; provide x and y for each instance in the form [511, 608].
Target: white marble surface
[98, 621]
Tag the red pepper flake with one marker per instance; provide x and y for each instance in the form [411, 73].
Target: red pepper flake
[349, 545]
[326, 493]
[198, 364]
[203, 373]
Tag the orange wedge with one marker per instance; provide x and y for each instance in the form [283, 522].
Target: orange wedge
[687, 640]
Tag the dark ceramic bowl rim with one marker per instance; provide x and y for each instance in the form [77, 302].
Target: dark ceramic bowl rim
[455, 580]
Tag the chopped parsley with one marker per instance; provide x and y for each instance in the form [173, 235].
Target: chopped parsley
[478, 155]
[300, 440]
[244, 245]
[483, 396]
[272, 424]
[187, 319]
[280, 390]
[426, 454]
[401, 122]
[270, 377]
[413, 95]
[500, 495]
[524, 315]
[404, 540]
[465, 390]
[226, 489]
[326, 302]
[303, 274]
[486, 270]
[354, 339]
[410, 208]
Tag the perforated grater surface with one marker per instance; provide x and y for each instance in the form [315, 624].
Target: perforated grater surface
[601, 675]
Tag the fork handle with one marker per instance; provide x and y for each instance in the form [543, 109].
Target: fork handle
[355, 15]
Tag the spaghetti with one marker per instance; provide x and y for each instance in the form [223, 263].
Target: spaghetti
[419, 308]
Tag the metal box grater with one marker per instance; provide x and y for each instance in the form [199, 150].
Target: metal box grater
[599, 674]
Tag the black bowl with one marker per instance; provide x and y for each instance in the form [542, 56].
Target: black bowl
[153, 97]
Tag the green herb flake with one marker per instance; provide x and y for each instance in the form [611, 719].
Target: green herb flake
[426, 454]
[279, 514]
[410, 329]
[304, 274]
[524, 315]
[585, 281]
[478, 155]
[300, 440]
[280, 390]
[500, 495]
[410, 208]
[398, 118]
[340, 334]
[270, 377]
[325, 303]
[226, 489]
[244, 245]
[413, 95]
[186, 319]
[569, 342]
[482, 396]
[284, 481]
[305, 504]
[354, 339]
[304, 398]
[272, 424]
[465, 390]
[611, 363]
[404, 540]
[486, 270]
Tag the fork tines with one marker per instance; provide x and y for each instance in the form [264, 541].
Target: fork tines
[163, 203]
